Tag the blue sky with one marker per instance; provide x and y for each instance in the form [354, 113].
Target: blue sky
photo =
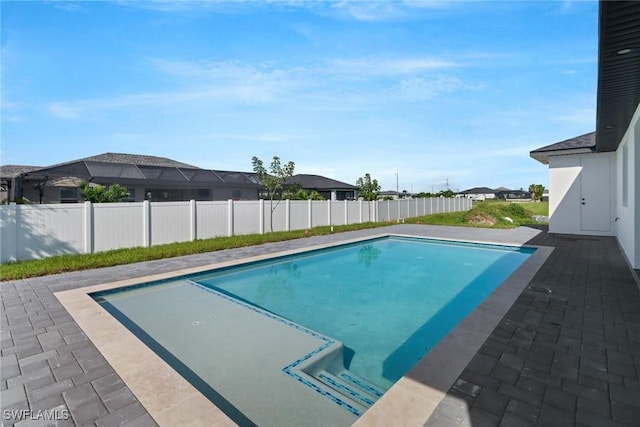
[435, 92]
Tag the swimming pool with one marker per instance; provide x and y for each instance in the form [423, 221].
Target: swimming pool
[350, 319]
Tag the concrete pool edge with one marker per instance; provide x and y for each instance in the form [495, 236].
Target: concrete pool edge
[168, 397]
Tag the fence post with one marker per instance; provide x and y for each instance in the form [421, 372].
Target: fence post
[88, 227]
[287, 215]
[360, 210]
[329, 211]
[194, 220]
[146, 224]
[230, 217]
[346, 212]
[310, 214]
[261, 216]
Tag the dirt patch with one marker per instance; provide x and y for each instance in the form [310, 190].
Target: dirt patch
[482, 219]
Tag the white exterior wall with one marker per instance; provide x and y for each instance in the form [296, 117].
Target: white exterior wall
[628, 223]
[566, 193]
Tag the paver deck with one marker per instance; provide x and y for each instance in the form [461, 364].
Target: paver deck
[567, 352]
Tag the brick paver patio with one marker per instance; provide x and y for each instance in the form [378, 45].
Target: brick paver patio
[567, 352]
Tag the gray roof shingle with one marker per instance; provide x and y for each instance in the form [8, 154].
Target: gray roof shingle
[588, 140]
[137, 159]
[317, 182]
[12, 171]
[478, 190]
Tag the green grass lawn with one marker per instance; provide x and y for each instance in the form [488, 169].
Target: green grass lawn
[483, 214]
[537, 208]
[492, 214]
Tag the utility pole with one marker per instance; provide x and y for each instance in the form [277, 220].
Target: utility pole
[397, 186]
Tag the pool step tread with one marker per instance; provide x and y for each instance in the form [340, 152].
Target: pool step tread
[361, 383]
[350, 386]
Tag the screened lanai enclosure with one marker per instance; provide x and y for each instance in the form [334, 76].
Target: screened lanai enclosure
[145, 177]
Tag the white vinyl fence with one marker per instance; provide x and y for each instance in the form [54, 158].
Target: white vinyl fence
[39, 231]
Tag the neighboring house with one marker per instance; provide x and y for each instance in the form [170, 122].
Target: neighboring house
[478, 193]
[328, 188]
[506, 194]
[146, 178]
[390, 194]
[594, 179]
[10, 178]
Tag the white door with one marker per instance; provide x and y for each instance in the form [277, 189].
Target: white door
[595, 194]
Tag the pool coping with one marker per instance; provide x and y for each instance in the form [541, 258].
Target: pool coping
[170, 399]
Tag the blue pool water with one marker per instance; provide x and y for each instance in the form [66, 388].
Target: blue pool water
[388, 300]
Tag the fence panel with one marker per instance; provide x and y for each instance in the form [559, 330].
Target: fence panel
[337, 213]
[170, 222]
[49, 230]
[211, 219]
[246, 217]
[319, 213]
[299, 214]
[117, 225]
[353, 211]
[36, 231]
[383, 210]
[279, 215]
[8, 231]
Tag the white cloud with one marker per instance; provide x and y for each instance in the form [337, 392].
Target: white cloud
[375, 11]
[419, 88]
[387, 66]
[318, 87]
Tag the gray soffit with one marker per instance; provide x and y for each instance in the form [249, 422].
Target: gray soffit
[618, 71]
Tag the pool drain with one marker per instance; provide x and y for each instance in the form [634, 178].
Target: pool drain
[195, 323]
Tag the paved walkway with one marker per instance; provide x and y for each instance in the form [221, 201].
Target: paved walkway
[568, 351]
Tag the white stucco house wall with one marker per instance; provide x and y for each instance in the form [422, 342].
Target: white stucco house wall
[594, 179]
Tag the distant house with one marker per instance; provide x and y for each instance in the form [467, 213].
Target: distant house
[506, 194]
[393, 195]
[388, 195]
[479, 193]
[146, 178]
[10, 177]
[328, 188]
[153, 178]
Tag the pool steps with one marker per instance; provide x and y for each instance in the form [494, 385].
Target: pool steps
[350, 386]
[323, 369]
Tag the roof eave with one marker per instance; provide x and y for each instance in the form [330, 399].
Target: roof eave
[543, 156]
